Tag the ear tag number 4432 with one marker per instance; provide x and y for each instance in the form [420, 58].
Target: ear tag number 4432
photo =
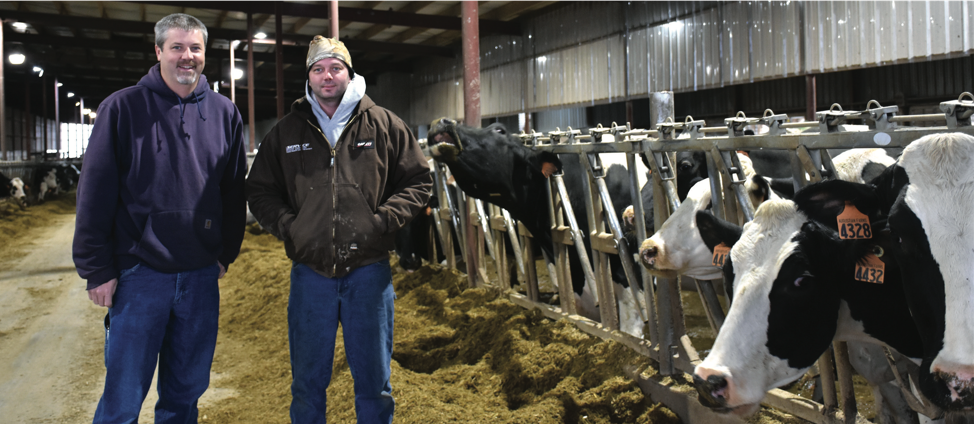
[721, 251]
[872, 271]
[853, 224]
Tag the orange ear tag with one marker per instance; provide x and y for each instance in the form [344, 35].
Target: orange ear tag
[873, 271]
[548, 169]
[853, 224]
[721, 251]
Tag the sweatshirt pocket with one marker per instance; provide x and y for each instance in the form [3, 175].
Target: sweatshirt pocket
[180, 240]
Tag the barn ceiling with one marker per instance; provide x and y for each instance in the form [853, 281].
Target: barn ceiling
[97, 47]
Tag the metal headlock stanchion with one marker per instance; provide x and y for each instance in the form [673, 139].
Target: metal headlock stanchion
[876, 126]
[443, 216]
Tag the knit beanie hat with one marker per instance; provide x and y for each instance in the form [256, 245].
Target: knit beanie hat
[322, 47]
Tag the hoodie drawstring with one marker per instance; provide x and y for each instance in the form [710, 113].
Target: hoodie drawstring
[181, 121]
[198, 108]
[182, 108]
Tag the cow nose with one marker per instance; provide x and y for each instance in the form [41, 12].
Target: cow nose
[959, 380]
[713, 390]
[648, 253]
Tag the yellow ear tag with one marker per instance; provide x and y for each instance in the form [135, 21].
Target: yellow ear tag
[873, 271]
[721, 251]
[853, 224]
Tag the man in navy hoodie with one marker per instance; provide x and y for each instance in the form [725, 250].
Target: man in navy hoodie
[161, 213]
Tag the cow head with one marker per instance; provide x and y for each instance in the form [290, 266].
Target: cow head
[17, 191]
[494, 166]
[930, 196]
[677, 248]
[792, 278]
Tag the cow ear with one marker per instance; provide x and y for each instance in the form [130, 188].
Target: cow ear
[759, 189]
[715, 231]
[546, 162]
[889, 184]
[825, 200]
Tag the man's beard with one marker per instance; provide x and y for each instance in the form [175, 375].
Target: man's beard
[187, 79]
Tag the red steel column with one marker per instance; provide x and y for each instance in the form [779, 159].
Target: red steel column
[3, 112]
[811, 105]
[471, 62]
[279, 59]
[57, 119]
[251, 80]
[233, 65]
[333, 19]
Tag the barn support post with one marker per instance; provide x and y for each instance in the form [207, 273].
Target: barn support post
[279, 60]
[28, 122]
[251, 80]
[3, 107]
[333, 19]
[233, 65]
[471, 62]
[57, 119]
[44, 114]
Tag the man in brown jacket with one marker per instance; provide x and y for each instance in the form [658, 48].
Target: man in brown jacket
[335, 179]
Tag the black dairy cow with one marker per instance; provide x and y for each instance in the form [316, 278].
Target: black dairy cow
[412, 240]
[929, 195]
[796, 288]
[492, 165]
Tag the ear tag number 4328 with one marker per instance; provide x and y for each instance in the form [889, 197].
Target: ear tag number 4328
[721, 251]
[853, 224]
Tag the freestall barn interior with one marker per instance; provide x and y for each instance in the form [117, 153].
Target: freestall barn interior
[542, 65]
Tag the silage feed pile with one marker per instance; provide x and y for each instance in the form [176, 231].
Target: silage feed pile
[460, 355]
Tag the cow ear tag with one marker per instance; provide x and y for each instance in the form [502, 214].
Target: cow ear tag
[874, 269]
[853, 224]
[720, 254]
[548, 169]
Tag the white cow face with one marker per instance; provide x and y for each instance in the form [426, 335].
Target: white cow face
[775, 328]
[931, 218]
[17, 191]
[677, 248]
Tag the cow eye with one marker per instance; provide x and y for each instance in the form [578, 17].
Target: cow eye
[804, 280]
[685, 166]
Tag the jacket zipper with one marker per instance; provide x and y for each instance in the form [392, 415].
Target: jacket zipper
[334, 191]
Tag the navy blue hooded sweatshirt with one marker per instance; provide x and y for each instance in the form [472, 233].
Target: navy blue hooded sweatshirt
[162, 182]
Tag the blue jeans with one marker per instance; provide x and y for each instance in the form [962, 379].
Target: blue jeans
[169, 317]
[363, 303]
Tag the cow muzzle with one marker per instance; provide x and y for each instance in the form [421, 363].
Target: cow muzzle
[714, 392]
[444, 141]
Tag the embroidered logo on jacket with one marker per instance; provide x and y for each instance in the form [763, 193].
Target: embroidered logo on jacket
[298, 147]
[365, 144]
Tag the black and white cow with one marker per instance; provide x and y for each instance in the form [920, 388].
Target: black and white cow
[929, 194]
[45, 179]
[13, 188]
[492, 165]
[677, 249]
[795, 291]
